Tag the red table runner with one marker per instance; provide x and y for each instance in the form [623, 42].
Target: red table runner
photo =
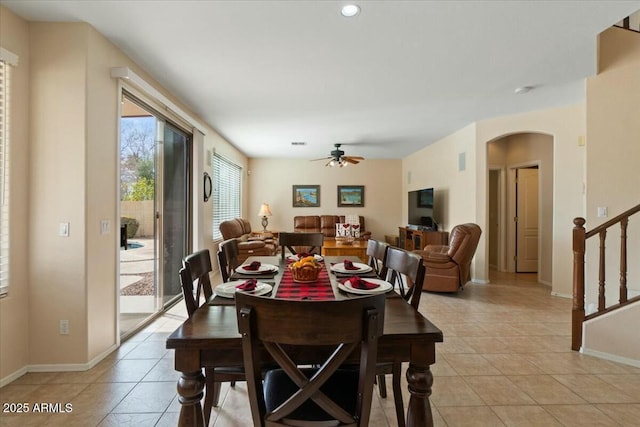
[318, 290]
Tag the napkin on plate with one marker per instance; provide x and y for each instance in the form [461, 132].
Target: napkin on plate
[249, 285]
[348, 265]
[254, 266]
[359, 283]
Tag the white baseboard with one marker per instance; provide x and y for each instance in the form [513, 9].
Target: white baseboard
[611, 357]
[480, 282]
[57, 367]
[544, 282]
[13, 376]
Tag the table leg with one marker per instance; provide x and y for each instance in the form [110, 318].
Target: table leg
[190, 391]
[420, 380]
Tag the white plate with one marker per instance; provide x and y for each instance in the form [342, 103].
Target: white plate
[297, 257]
[228, 289]
[264, 268]
[384, 287]
[362, 268]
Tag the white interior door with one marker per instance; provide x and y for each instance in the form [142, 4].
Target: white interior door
[527, 220]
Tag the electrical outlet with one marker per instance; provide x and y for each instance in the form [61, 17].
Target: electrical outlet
[64, 327]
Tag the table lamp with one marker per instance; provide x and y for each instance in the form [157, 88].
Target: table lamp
[264, 212]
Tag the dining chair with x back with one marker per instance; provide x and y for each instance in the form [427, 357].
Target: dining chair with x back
[291, 395]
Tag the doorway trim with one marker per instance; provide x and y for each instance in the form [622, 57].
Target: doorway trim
[158, 108]
[502, 209]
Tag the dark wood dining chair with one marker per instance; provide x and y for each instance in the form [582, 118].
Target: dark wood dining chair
[377, 253]
[195, 269]
[291, 394]
[228, 258]
[300, 242]
[405, 271]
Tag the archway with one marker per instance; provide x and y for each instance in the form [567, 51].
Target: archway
[506, 155]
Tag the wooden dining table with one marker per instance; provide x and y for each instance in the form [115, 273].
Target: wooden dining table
[210, 338]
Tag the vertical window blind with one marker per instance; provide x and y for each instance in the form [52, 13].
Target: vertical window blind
[227, 177]
[4, 176]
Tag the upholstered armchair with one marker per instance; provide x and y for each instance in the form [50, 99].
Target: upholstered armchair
[448, 267]
[248, 244]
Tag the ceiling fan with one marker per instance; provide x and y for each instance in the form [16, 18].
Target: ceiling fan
[337, 158]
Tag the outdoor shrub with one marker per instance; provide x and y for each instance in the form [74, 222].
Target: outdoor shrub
[132, 226]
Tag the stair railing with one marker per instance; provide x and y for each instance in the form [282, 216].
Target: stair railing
[631, 22]
[580, 235]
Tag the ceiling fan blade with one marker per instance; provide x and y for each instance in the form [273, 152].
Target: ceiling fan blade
[353, 157]
[350, 160]
[322, 158]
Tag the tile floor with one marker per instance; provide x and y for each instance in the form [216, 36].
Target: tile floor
[506, 361]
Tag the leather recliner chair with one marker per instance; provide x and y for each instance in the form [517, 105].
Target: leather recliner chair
[248, 244]
[448, 267]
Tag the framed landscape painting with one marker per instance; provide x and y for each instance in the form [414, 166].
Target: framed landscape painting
[351, 196]
[306, 196]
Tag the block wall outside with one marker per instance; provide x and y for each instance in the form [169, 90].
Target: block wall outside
[143, 212]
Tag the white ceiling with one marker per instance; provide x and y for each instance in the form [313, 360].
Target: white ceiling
[397, 77]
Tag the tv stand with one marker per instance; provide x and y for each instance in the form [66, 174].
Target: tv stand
[412, 238]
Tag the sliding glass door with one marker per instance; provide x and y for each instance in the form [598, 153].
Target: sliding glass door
[154, 206]
[175, 209]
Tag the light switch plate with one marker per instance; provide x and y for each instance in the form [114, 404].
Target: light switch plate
[602, 212]
[63, 229]
[105, 226]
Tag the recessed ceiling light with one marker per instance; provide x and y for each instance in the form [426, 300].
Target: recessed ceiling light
[523, 89]
[350, 10]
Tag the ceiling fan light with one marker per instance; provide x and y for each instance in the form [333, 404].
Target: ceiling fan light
[332, 163]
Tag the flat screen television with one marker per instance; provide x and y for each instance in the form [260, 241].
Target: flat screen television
[421, 209]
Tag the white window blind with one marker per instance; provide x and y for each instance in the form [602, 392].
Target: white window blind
[6, 58]
[226, 192]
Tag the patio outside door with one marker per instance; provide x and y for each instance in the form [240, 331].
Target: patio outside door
[155, 188]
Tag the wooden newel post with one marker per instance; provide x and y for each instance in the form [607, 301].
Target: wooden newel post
[577, 314]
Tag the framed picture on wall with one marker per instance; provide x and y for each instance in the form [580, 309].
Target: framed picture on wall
[306, 196]
[351, 196]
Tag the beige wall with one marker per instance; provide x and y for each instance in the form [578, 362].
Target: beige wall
[67, 166]
[437, 166]
[613, 155]
[271, 181]
[58, 188]
[14, 309]
[527, 149]
[613, 181]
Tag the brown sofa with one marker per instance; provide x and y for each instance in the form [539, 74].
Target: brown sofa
[448, 267]
[248, 244]
[325, 224]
